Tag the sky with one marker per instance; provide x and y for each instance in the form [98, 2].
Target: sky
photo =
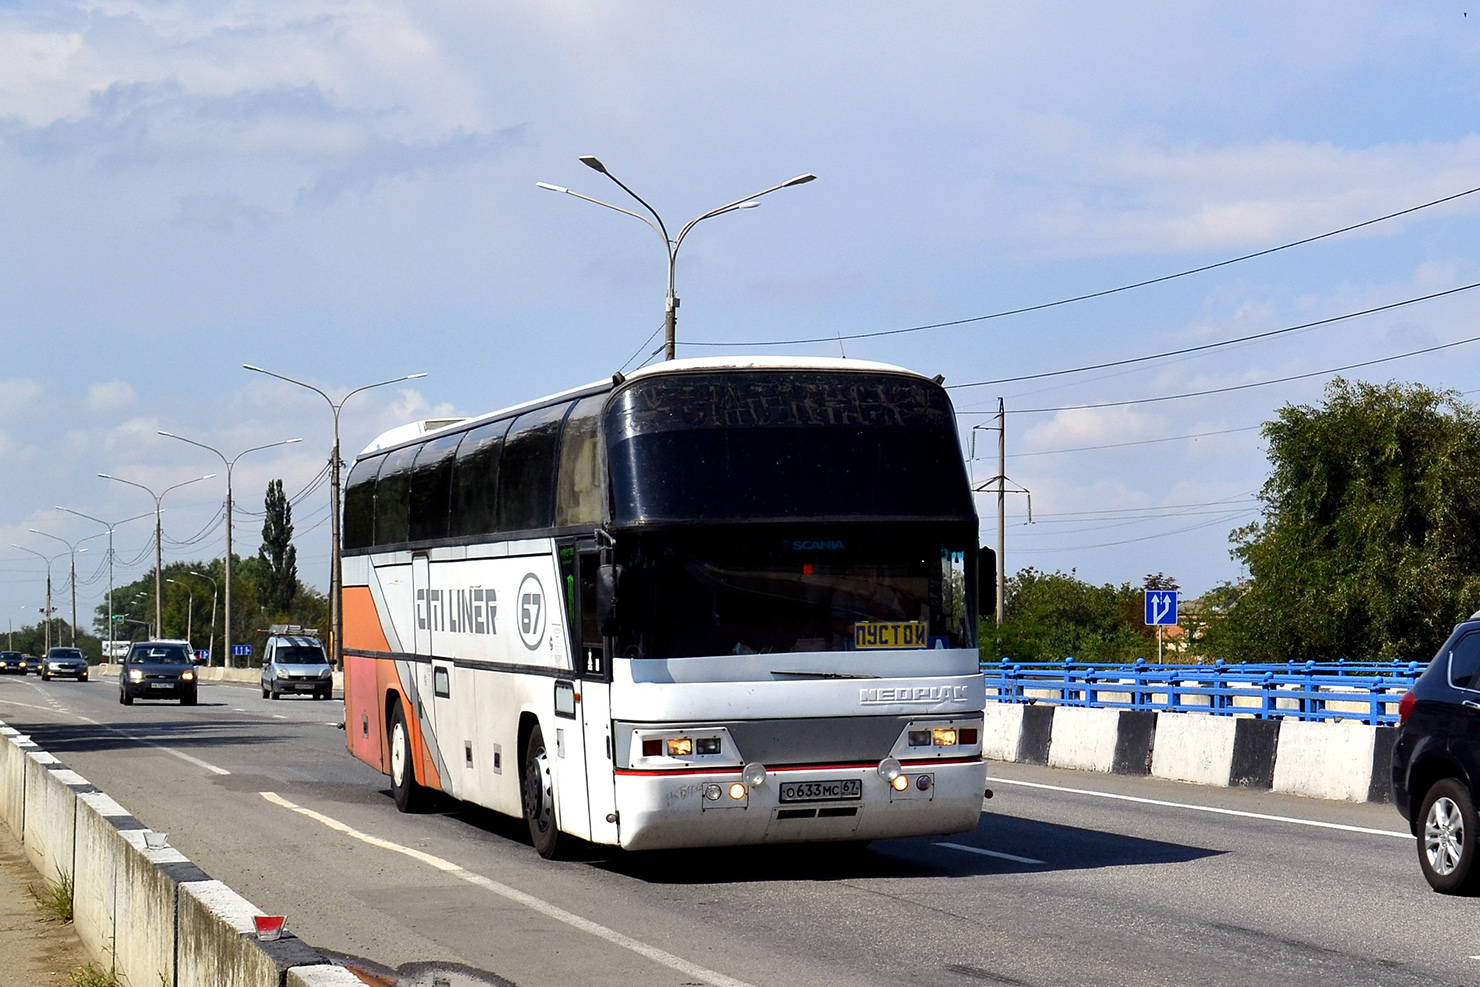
[345, 192]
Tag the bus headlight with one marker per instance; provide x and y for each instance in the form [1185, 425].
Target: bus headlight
[944, 736]
[754, 775]
[900, 782]
[737, 791]
[680, 746]
[889, 769]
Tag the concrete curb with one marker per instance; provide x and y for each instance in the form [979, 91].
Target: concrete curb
[1344, 759]
[149, 914]
[214, 673]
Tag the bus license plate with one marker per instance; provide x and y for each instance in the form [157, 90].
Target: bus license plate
[889, 634]
[821, 791]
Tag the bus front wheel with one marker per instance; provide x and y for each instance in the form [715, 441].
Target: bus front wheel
[410, 797]
[538, 783]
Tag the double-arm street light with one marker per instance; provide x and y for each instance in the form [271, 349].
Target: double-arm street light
[158, 551]
[46, 614]
[109, 533]
[72, 550]
[336, 610]
[671, 244]
[230, 465]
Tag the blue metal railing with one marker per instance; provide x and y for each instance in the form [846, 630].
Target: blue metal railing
[1364, 691]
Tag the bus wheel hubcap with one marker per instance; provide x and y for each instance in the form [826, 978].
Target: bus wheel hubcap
[398, 754]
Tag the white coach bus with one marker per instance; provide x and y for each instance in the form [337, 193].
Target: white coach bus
[712, 602]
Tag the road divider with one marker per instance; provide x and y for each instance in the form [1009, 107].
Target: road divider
[146, 912]
[1331, 759]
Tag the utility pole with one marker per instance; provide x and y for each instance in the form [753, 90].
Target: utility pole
[1000, 483]
[158, 539]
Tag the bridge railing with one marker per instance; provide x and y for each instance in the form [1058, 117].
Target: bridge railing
[1365, 691]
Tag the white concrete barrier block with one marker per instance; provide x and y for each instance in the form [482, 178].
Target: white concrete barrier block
[1325, 759]
[1195, 747]
[217, 942]
[50, 816]
[96, 854]
[144, 914]
[12, 786]
[322, 976]
[1084, 738]
[1002, 731]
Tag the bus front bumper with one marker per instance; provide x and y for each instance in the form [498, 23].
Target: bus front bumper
[671, 809]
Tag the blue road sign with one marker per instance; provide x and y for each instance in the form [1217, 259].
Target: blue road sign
[202, 654]
[1161, 607]
[245, 650]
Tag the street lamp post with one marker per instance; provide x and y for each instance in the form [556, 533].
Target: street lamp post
[46, 614]
[230, 465]
[72, 550]
[110, 528]
[189, 610]
[158, 550]
[336, 610]
[211, 641]
[670, 244]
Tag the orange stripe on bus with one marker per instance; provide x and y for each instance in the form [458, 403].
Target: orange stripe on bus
[362, 627]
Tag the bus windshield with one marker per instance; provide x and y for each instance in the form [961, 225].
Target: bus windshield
[806, 445]
[735, 591]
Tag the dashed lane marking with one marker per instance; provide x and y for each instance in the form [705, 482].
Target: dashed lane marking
[661, 956]
[1294, 820]
[189, 759]
[991, 853]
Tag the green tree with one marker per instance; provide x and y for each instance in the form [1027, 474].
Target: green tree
[279, 583]
[1050, 616]
[1369, 542]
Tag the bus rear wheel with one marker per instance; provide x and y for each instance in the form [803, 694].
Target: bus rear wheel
[410, 797]
[538, 784]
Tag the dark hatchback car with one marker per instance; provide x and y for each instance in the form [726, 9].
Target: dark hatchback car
[13, 663]
[1436, 762]
[64, 661]
[157, 670]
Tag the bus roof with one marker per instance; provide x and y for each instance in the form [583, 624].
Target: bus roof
[402, 434]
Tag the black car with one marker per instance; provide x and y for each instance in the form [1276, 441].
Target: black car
[1436, 762]
[157, 670]
[64, 661]
[13, 663]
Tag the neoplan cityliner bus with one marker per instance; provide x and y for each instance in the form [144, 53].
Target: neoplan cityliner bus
[712, 602]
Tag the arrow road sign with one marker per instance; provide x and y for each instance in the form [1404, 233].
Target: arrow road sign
[1161, 608]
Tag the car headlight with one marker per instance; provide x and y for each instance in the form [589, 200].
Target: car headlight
[187, 675]
[136, 675]
[327, 673]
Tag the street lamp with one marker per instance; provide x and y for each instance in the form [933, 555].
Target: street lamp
[230, 465]
[110, 528]
[211, 641]
[72, 549]
[46, 614]
[336, 613]
[158, 551]
[189, 610]
[671, 244]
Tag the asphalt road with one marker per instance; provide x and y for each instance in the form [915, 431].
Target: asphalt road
[1058, 884]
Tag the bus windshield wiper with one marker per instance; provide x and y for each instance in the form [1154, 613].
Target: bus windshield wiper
[819, 675]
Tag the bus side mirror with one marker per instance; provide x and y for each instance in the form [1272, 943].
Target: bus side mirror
[986, 582]
[608, 585]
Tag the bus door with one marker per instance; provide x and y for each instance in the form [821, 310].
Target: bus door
[595, 706]
[435, 699]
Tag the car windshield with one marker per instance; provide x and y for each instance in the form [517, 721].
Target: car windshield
[301, 655]
[162, 654]
[56, 653]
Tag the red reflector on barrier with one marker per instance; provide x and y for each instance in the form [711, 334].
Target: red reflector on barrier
[1405, 705]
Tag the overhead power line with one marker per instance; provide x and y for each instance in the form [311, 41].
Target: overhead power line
[1087, 296]
[1230, 388]
[1221, 343]
[1137, 442]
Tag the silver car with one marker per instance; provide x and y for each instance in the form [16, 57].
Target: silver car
[64, 661]
[292, 664]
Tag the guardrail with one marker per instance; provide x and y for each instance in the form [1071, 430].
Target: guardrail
[1364, 691]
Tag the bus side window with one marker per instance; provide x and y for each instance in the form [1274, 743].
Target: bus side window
[580, 493]
[475, 480]
[359, 504]
[391, 490]
[431, 488]
[526, 483]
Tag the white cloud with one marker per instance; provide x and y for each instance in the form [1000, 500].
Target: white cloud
[110, 395]
[20, 396]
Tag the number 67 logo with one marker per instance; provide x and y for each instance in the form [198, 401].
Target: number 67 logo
[531, 611]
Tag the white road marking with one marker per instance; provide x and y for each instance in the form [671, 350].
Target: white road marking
[138, 740]
[1207, 808]
[991, 853]
[691, 970]
[278, 716]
